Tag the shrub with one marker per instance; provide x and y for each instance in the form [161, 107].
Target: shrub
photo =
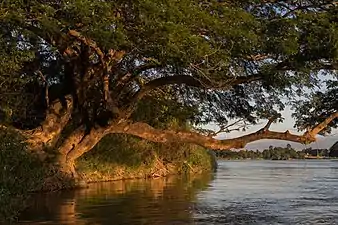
[20, 173]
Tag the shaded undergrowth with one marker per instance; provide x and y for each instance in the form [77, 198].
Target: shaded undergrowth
[20, 173]
[123, 157]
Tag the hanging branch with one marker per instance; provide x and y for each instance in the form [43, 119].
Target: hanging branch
[46, 88]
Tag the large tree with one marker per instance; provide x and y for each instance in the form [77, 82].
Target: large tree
[74, 71]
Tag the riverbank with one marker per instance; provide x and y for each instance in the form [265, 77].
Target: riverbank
[123, 157]
[243, 192]
[116, 157]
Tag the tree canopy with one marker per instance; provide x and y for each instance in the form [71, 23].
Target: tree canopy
[86, 68]
[320, 105]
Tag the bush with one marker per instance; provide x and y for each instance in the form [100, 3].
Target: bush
[20, 173]
[124, 156]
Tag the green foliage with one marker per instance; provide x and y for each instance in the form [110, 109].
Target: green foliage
[114, 150]
[12, 58]
[122, 156]
[163, 112]
[287, 44]
[320, 105]
[20, 173]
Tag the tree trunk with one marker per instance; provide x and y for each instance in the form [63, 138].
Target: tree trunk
[74, 146]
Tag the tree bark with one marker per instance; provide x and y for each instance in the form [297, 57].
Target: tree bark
[147, 132]
[74, 146]
[57, 117]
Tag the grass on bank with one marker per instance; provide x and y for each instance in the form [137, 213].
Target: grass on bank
[124, 157]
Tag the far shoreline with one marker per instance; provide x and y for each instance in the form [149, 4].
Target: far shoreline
[261, 159]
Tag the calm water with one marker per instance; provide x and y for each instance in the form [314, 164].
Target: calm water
[241, 192]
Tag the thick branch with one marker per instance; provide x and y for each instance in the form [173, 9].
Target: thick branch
[107, 61]
[81, 142]
[156, 135]
[88, 42]
[110, 61]
[194, 82]
[317, 129]
[56, 119]
[125, 78]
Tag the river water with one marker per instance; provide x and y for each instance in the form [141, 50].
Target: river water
[240, 192]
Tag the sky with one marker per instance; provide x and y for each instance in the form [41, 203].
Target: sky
[288, 124]
[322, 142]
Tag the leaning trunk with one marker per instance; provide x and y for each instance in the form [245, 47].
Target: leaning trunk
[80, 141]
[75, 145]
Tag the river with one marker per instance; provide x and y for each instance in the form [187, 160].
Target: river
[240, 192]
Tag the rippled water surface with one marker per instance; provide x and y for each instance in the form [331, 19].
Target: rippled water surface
[241, 192]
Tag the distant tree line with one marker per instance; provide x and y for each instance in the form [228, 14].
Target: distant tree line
[273, 153]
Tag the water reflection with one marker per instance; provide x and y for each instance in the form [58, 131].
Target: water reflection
[241, 192]
[160, 201]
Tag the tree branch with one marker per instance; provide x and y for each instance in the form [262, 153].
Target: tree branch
[107, 61]
[257, 57]
[80, 142]
[270, 121]
[127, 77]
[226, 128]
[58, 115]
[147, 132]
[306, 7]
[92, 44]
[46, 87]
[195, 82]
[48, 133]
[321, 126]
[183, 79]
